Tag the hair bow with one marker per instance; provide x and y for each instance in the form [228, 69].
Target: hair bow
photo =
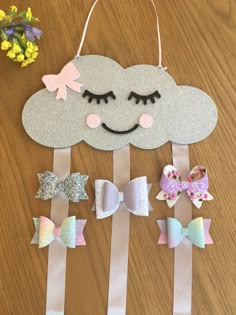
[172, 232]
[72, 187]
[65, 78]
[196, 186]
[134, 197]
[70, 232]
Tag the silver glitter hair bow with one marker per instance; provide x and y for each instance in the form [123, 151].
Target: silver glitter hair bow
[72, 187]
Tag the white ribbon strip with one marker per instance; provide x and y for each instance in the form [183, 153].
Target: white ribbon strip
[157, 25]
[57, 251]
[183, 253]
[120, 238]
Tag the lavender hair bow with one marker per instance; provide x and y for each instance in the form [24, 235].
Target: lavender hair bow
[134, 197]
[72, 187]
[196, 186]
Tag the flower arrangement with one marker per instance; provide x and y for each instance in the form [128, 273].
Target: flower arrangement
[18, 35]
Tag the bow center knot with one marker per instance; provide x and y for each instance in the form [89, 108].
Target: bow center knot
[62, 80]
[185, 185]
[57, 232]
[185, 231]
[61, 186]
[120, 196]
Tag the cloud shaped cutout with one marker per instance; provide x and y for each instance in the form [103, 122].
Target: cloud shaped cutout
[140, 105]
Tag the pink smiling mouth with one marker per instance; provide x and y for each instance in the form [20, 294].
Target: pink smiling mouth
[123, 132]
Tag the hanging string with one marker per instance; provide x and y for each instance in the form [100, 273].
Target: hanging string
[158, 33]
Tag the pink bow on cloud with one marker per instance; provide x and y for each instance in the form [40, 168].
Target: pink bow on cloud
[65, 78]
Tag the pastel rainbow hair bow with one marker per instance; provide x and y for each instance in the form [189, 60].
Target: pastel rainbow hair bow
[72, 187]
[65, 78]
[197, 231]
[196, 186]
[70, 233]
[134, 197]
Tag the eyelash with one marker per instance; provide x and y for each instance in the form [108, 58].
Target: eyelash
[98, 98]
[144, 98]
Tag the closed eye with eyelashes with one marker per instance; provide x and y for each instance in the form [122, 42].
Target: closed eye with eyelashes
[145, 98]
[98, 97]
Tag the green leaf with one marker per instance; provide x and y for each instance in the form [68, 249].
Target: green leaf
[3, 35]
[17, 36]
[12, 14]
[22, 14]
[19, 28]
[27, 20]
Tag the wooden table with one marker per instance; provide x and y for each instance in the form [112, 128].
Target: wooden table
[199, 44]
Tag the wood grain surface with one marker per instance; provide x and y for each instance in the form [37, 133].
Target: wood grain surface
[199, 44]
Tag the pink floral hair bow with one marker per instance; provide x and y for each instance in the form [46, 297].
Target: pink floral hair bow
[65, 78]
[196, 186]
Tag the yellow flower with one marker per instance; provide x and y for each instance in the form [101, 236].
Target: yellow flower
[5, 45]
[20, 58]
[31, 48]
[16, 48]
[11, 54]
[30, 45]
[13, 8]
[24, 64]
[23, 38]
[29, 14]
[35, 55]
[30, 60]
[37, 20]
[28, 52]
[2, 15]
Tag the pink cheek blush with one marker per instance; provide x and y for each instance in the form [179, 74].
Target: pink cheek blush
[93, 121]
[146, 121]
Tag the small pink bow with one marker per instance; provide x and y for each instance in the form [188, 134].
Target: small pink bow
[66, 77]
